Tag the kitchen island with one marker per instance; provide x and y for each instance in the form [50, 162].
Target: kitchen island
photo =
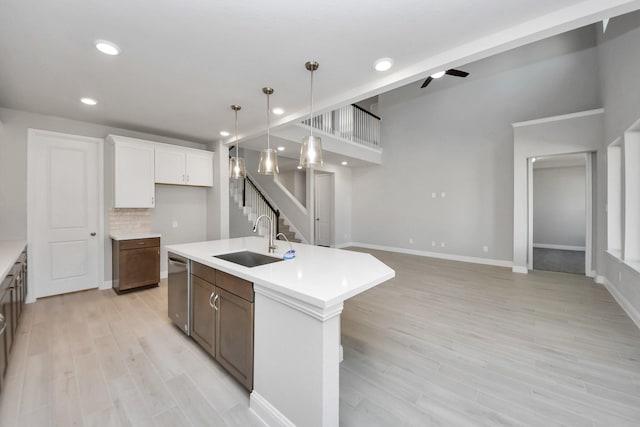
[298, 303]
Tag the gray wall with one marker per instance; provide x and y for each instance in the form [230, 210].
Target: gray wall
[13, 182]
[559, 206]
[296, 182]
[619, 62]
[455, 137]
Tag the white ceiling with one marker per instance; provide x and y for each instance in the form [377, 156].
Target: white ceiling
[184, 62]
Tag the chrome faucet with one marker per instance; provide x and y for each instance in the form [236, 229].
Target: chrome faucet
[272, 245]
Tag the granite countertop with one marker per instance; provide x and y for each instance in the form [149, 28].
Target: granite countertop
[10, 250]
[320, 276]
[132, 236]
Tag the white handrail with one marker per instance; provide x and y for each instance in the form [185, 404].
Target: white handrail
[350, 123]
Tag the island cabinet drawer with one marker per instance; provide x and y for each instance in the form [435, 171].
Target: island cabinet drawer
[139, 243]
[204, 272]
[235, 285]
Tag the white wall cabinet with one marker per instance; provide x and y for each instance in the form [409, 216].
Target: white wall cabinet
[134, 172]
[183, 166]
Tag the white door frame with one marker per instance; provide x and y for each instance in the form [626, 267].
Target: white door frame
[31, 203]
[588, 253]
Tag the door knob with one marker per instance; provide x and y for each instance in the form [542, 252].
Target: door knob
[93, 234]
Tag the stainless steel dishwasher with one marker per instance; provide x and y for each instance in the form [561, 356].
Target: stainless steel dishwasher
[179, 292]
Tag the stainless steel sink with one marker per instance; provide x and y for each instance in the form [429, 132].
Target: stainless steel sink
[248, 259]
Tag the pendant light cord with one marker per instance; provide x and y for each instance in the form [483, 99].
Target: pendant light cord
[311, 112]
[237, 152]
[268, 123]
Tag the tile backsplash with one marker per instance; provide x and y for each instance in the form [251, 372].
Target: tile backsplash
[129, 220]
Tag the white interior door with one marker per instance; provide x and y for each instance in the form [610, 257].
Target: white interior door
[324, 207]
[63, 212]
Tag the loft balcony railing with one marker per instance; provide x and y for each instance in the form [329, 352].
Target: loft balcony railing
[350, 122]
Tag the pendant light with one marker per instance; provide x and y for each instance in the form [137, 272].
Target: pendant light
[311, 151]
[237, 168]
[268, 157]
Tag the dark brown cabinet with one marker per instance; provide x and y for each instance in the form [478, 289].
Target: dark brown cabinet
[13, 290]
[222, 310]
[204, 316]
[135, 264]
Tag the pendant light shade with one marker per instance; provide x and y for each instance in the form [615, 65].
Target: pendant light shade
[237, 169]
[311, 151]
[268, 157]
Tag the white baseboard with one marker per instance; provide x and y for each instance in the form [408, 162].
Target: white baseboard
[561, 247]
[267, 413]
[520, 269]
[439, 255]
[164, 274]
[107, 284]
[631, 311]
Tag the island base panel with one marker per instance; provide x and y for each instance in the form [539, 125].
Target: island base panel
[296, 365]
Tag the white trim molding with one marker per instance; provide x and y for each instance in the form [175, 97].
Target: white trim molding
[439, 255]
[520, 269]
[631, 311]
[267, 413]
[106, 284]
[164, 274]
[558, 118]
[561, 247]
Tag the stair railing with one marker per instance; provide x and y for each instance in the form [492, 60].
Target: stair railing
[350, 122]
[251, 194]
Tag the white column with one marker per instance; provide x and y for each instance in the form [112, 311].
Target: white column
[296, 361]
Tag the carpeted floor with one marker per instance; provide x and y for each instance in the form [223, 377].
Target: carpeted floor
[559, 260]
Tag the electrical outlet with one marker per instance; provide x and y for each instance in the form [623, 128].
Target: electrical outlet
[443, 194]
[174, 224]
[433, 243]
[434, 195]
[485, 249]
[410, 240]
[442, 244]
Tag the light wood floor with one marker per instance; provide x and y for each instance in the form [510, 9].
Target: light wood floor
[443, 344]
[97, 359]
[453, 344]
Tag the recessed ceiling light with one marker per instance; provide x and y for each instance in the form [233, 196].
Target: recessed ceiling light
[107, 47]
[383, 64]
[224, 133]
[88, 101]
[344, 163]
[278, 111]
[281, 148]
[437, 75]
[299, 167]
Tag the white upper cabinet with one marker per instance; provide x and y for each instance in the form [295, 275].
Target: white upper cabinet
[134, 172]
[183, 166]
[199, 166]
[170, 165]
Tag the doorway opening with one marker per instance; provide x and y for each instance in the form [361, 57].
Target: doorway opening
[560, 217]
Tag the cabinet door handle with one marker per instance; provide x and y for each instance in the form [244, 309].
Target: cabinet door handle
[210, 303]
[4, 323]
[217, 298]
[152, 200]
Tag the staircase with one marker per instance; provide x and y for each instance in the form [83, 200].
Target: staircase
[253, 203]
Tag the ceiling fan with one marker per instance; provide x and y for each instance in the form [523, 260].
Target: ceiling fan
[451, 72]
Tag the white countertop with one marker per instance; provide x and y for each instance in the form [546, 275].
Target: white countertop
[132, 236]
[10, 250]
[322, 277]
